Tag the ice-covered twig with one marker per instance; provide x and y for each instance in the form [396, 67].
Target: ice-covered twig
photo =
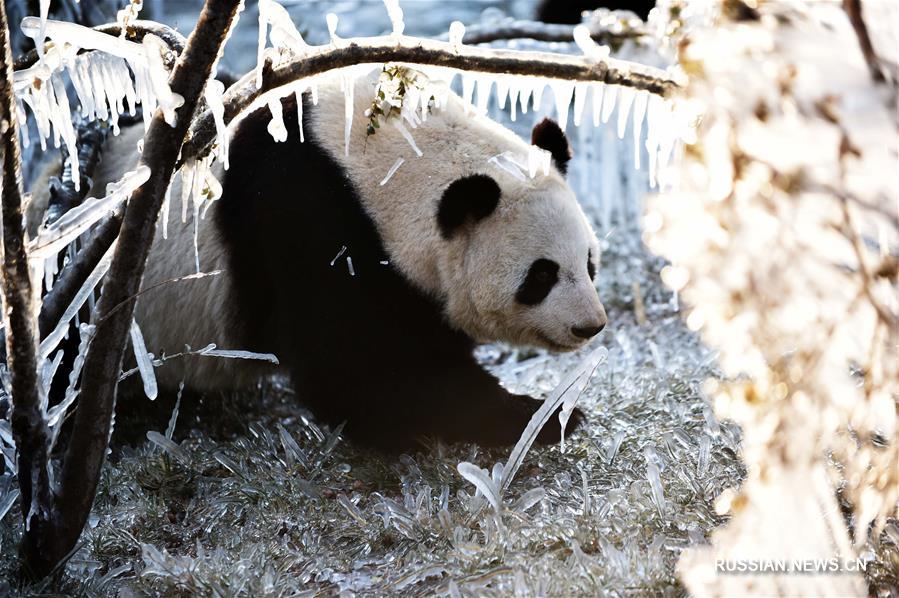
[90, 433]
[246, 94]
[29, 427]
[545, 32]
[76, 221]
[137, 30]
[567, 391]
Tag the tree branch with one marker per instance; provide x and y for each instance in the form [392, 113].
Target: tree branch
[350, 52]
[86, 450]
[137, 30]
[544, 32]
[853, 9]
[29, 427]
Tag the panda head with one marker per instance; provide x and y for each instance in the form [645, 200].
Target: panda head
[521, 257]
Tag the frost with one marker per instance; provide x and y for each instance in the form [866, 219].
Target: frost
[396, 166]
[144, 361]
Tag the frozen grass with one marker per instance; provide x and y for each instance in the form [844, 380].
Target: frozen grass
[258, 500]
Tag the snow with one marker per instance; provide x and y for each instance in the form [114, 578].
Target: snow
[396, 16]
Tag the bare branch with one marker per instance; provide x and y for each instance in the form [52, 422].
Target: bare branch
[86, 450]
[29, 427]
[244, 93]
[853, 9]
[543, 32]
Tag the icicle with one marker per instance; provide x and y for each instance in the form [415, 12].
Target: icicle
[164, 211]
[276, 127]
[580, 98]
[166, 99]
[52, 340]
[608, 102]
[485, 82]
[339, 253]
[539, 87]
[506, 161]
[188, 172]
[639, 113]
[624, 108]
[50, 240]
[332, 20]
[144, 361]
[349, 266]
[456, 33]
[538, 159]
[562, 91]
[213, 94]
[653, 110]
[396, 16]
[212, 351]
[502, 91]
[299, 97]
[406, 135]
[525, 95]
[348, 86]
[468, 83]
[514, 90]
[396, 166]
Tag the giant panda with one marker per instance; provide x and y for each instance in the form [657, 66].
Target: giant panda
[451, 251]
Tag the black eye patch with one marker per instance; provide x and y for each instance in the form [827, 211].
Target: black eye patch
[591, 269]
[541, 278]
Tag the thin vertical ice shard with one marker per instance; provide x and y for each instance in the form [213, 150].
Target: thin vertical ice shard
[597, 89]
[562, 91]
[608, 102]
[468, 83]
[213, 95]
[580, 99]
[653, 116]
[144, 361]
[406, 135]
[396, 165]
[348, 86]
[639, 113]
[485, 82]
[299, 97]
[624, 108]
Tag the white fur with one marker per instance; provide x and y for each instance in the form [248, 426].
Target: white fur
[475, 274]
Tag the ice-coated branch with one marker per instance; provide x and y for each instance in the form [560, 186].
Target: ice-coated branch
[136, 32]
[245, 93]
[853, 10]
[508, 29]
[85, 453]
[29, 427]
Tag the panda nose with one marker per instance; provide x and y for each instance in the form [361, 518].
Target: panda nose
[586, 331]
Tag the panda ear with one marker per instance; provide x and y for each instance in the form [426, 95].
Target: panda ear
[549, 136]
[466, 201]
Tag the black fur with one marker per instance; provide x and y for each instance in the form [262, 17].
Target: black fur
[541, 278]
[368, 349]
[591, 268]
[549, 136]
[466, 200]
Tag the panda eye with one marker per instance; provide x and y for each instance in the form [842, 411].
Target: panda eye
[591, 269]
[542, 276]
